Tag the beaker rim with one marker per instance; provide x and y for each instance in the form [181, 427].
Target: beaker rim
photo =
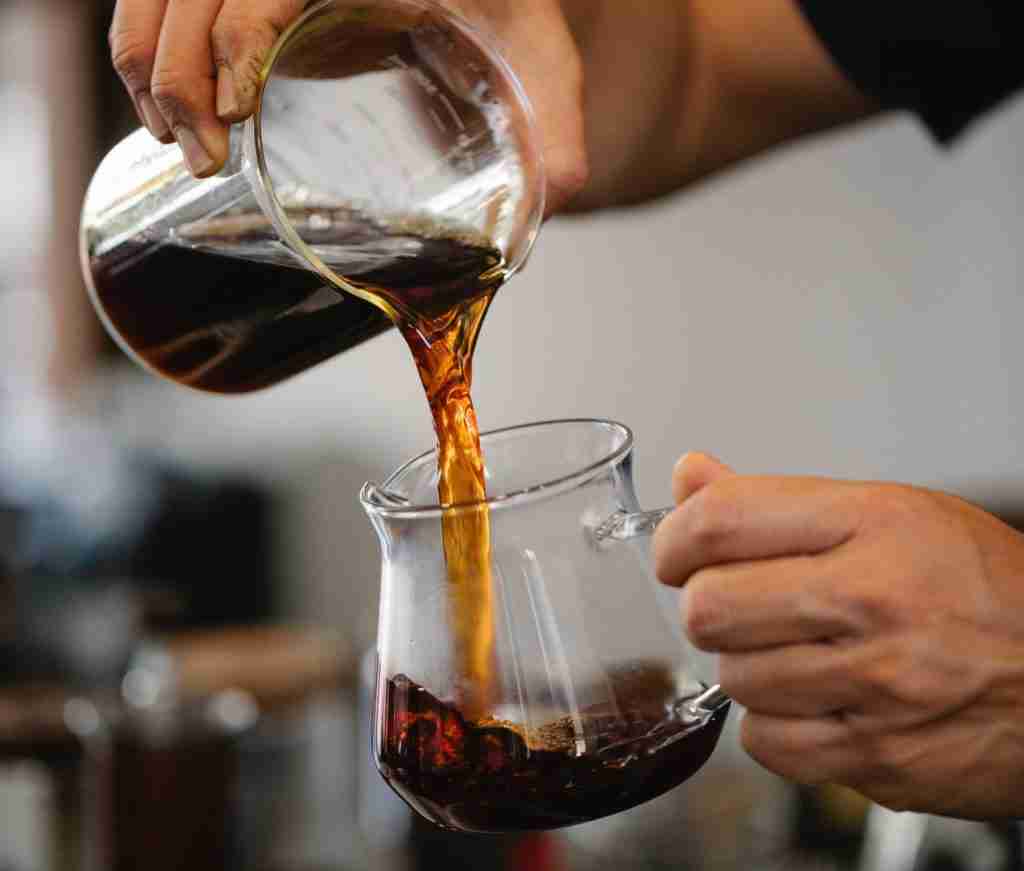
[381, 500]
[266, 192]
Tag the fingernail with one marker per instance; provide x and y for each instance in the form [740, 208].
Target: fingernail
[155, 122]
[227, 99]
[197, 158]
[691, 454]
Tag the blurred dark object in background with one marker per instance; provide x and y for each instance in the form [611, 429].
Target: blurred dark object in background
[101, 545]
[100, 549]
[207, 553]
[203, 557]
[830, 821]
[208, 745]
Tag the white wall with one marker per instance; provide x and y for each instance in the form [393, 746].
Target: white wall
[849, 307]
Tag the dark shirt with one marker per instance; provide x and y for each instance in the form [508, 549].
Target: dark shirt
[948, 61]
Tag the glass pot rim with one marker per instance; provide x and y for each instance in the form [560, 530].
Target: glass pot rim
[267, 194]
[380, 500]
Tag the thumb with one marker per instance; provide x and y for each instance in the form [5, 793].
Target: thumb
[694, 472]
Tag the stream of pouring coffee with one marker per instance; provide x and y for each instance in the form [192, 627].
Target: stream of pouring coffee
[440, 298]
[443, 348]
[441, 303]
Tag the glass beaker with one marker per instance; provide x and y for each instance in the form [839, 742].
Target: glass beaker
[596, 701]
[391, 163]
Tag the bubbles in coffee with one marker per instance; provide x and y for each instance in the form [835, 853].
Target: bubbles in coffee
[492, 776]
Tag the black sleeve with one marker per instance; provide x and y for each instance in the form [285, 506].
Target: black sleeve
[948, 61]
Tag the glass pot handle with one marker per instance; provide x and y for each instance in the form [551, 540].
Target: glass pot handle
[628, 526]
[624, 526]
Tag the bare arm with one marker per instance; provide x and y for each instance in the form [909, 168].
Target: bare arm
[688, 87]
[634, 100]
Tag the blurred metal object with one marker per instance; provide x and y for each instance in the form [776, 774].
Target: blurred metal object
[174, 775]
[55, 744]
[26, 802]
[217, 749]
[892, 841]
[918, 842]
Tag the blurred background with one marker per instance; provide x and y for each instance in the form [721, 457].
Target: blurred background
[188, 585]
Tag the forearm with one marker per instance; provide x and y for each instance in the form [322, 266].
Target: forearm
[684, 88]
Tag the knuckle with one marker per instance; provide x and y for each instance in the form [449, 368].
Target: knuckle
[737, 680]
[663, 563]
[679, 477]
[902, 677]
[881, 680]
[755, 742]
[785, 757]
[887, 686]
[667, 567]
[249, 73]
[819, 610]
[891, 504]
[730, 676]
[877, 606]
[874, 500]
[917, 676]
[235, 37]
[573, 68]
[174, 94]
[241, 44]
[832, 670]
[567, 158]
[568, 171]
[230, 37]
[224, 40]
[865, 604]
[703, 613]
[712, 518]
[132, 60]
[883, 761]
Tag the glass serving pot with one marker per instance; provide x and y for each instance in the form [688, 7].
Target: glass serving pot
[596, 704]
[392, 160]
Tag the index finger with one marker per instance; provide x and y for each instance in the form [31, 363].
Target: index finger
[134, 35]
[767, 604]
[741, 518]
[184, 84]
